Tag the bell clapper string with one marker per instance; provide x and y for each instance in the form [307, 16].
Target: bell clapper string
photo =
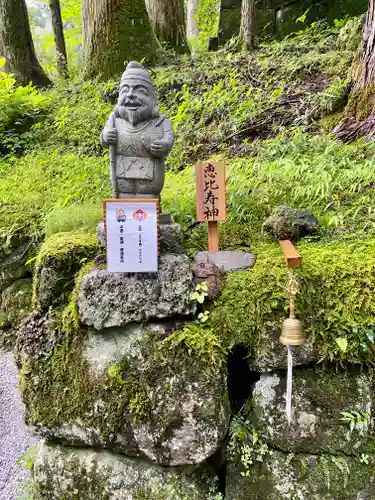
[293, 291]
[289, 385]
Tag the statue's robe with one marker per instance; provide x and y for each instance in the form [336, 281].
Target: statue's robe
[138, 171]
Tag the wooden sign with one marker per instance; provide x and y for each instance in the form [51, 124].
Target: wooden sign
[211, 203]
[131, 227]
[211, 199]
[292, 258]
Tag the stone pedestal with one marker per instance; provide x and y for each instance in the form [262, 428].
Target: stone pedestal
[133, 420]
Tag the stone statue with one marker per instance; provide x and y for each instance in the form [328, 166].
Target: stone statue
[139, 138]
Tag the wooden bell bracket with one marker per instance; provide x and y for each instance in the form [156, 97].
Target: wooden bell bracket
[292, 258]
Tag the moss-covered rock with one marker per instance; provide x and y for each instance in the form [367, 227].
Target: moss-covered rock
[13, 266]
[16, 301]
[117, 389]
[320, 397]
[286, 223]
[284, 476]
[336, 301]
[70, 473]
[108, 300]
[60, 257]
[15, 305]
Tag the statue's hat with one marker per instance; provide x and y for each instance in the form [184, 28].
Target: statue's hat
[135, 71]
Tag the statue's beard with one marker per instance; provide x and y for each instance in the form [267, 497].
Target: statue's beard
[143, 113]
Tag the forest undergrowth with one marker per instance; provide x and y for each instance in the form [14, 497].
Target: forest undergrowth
[269, 115]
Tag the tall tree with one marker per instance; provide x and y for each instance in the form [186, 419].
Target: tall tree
[58, 31]
[247, 24]
[115, 31]
[192, 26]
[168, 20]
[359, 120]
[16, 44]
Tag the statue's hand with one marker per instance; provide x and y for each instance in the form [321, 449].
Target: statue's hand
[110, 136]
[160, 148]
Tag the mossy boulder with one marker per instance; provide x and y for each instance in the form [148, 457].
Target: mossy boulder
[59, 259]
[119, 389]
[15, 305]
[13, 266]
[282, 476]
[336, 301]
[320, 398]
[69, 473]
[286, 223]
[273, 355]
[108, 300]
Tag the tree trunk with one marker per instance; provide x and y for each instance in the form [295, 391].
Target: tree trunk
[16, 45]
[168, 20]
[192, 26]
[359, 118]
[115, 32]
[247, 24]
[58, 31]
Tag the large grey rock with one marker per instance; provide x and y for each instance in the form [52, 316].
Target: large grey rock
[227, 261]
[189, 420]
[270, 355]
[187, 412]
[319, 398]
[70, 474]
[282, 476]
[286, 223]
[115, 299]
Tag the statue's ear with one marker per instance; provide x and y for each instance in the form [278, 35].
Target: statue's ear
[116, 112]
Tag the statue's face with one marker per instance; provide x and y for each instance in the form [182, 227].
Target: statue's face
[136, 102]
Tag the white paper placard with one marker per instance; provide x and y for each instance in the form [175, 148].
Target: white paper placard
[132, 236]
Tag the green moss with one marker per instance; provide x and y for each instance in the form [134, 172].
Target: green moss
[336, 300]
[362, 103]
[60, 257]
[16, 301]
[83, 483]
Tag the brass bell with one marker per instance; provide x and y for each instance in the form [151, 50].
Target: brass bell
[292, 332]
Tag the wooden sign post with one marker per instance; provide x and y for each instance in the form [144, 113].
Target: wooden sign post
[211, 202]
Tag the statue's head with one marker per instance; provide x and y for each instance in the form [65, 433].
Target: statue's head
[137, 100]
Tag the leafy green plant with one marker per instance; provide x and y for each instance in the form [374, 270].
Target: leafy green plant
[245, 444]
[20, 108]
[197, 341]
[340, 463]
[204, 316]
[200, 293]
[356, 420]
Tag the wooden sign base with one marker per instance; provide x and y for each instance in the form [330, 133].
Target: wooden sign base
[213, 237]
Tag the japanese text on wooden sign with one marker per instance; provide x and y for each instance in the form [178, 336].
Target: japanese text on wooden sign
[132, 235]
[210, 181]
